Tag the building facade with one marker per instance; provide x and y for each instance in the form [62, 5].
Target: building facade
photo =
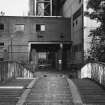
[74, 9]
[56, 40]
[26, 38]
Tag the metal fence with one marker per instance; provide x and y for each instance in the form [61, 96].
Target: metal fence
[9, 70]
[95, 71]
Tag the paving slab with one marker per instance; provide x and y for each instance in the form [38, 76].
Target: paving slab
[50, 90]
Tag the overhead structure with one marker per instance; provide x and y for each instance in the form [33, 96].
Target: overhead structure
[44, 8]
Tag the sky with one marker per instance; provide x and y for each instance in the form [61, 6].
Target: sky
[14, 7]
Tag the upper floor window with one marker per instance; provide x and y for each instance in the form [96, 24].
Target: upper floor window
[19, 27]
[1, 43]
[40, 27]
[79, 1]
[1, 26]
[76, 22]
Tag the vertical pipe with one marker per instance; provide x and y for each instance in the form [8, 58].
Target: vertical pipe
[11, 49]
[60, 56]
[29, 51]
[35, 6]
[82, 10]
[51, 4]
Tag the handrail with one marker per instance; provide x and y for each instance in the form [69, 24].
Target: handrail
[13, 69]
[95, 71]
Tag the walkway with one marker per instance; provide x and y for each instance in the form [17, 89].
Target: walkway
[51, 89]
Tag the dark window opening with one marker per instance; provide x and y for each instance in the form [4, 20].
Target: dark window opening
[40, 27]
[1, 44]
[37, 27]
[19, 27]
[73, 24]
[1, 59]
[77, 14]
[1, 26]
[79, 1]
[76, 22]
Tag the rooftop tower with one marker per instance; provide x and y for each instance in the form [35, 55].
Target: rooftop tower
[44, 8]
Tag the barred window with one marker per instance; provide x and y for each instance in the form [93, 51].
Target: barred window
[40, 27]
[1, 26]
[19, 27]
[79, 1]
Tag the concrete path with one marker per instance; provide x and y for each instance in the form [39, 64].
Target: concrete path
[50, 90]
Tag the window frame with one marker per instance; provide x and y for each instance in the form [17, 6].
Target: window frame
[19, 29]
[79, 1]
[39, 28]
[2, 27]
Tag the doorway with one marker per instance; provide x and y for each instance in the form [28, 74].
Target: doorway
[47, 56]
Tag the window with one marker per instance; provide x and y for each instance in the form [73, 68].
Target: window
[1, 43]
[40, 27]
[1, 26]
[1, 59]
[73, 24]
[77, 14]
[76, 22]
[19, 27]
[79, 1]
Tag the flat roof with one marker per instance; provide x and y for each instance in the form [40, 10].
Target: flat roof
[53, 17]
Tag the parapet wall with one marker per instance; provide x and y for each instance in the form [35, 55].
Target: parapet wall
[94, 71]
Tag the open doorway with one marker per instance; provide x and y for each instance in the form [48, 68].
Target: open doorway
[47, 56]
[44, 56]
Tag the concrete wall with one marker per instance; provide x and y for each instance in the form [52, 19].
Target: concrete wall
[71, 6]
[94, 71]
[73, 9]
[55, 28]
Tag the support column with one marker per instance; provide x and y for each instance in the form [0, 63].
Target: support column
[60, 60]
[34, 58]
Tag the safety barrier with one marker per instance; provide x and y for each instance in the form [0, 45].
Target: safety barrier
[9, 69]
[95, 71]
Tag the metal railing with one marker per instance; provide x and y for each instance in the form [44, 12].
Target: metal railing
[9, 70]
[95, 71]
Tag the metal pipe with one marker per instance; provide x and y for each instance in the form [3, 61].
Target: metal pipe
[51, 7]
[35, 6]
[11, 49]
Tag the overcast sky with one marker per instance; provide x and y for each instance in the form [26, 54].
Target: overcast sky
[14, 7]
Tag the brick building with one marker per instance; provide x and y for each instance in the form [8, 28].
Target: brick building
[55, 39]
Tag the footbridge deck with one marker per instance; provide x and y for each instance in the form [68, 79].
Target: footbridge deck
[19, 85]
[51, 89]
